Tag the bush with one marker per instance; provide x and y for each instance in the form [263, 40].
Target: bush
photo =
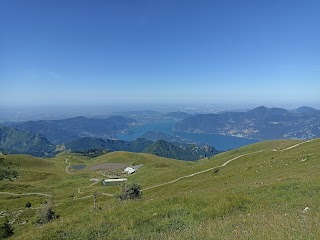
[28, 205]
[47, 214]
[132, 191]
[7, 229]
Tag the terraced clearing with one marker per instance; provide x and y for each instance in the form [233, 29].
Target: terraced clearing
[256, 192]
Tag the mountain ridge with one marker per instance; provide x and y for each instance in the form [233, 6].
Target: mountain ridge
[141, 145]
[260, 123]
[13, 140]
[64, 130]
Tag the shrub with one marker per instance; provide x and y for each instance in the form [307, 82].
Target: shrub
[132, 191]
[28, 205]
[7, 229]
[47, 214]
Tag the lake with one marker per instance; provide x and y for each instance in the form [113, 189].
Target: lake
[78, 167]
[220, 142]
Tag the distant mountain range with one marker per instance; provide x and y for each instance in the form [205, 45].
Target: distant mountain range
[42, 138]
[151, 116]
[160, 148]
[61, 131]
[17, 141]
[184, 152]
[13, 141]
[91, 143]
[260, 123]
[66, 130]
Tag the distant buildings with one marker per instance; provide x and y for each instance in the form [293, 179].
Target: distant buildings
[116, 181]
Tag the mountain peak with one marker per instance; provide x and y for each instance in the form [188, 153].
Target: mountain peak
[305, 109]
[258, 109]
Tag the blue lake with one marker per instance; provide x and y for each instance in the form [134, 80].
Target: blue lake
[220, 142]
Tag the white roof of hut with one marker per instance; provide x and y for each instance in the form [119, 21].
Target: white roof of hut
[129, 170]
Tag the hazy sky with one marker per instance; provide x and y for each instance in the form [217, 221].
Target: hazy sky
[97, 52]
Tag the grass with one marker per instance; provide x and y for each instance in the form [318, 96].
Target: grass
[261, 194]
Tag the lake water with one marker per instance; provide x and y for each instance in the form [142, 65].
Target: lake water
[220, 142]
[78, 167]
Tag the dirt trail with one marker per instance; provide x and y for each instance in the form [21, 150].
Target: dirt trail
[67, 171]
[223, 165]
[92, 184]
[107, 194]
[89, 196]
[298, 144]
[194, 174]
[26, 194]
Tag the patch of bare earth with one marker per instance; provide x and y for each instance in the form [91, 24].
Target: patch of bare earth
[108, 166]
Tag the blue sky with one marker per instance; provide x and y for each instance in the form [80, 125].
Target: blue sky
[104, 52]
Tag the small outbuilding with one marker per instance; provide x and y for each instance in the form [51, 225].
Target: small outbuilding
[132, 169]
[129, 170]
[113, 182]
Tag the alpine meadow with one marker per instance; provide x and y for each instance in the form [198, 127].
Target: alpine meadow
[159, 120]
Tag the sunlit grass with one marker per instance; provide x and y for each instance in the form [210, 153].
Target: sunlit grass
[260, 195]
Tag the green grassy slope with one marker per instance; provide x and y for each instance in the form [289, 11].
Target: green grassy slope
[260, 194]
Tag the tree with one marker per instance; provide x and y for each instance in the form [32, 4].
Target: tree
[28, 205]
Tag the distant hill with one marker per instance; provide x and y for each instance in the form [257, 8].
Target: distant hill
[61, 131]
[86, 144]
[14, 140]
[260, 123]
[91, 143]
[161, 148]
[142, 116]
[169, 150]
[305, 109]
[178, 115]
[17, 141]
[156, 135]
[50, 129]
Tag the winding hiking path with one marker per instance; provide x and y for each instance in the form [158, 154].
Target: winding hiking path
[89, 196]
[223, 165]
[298, 144]
[107, 194]
[92, 184]
[67, 171]
[27, 194]
[197, 173]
